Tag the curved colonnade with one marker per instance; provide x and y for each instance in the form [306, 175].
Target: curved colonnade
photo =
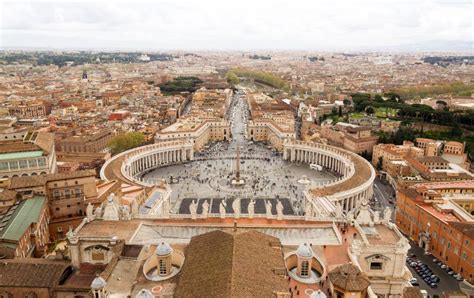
[129, 166]
[352, 186]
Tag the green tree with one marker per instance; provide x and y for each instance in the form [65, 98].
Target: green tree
[370, 110]
[340, 111]
[380, 163]
[232, 78]
[123, 142]
[378, 98]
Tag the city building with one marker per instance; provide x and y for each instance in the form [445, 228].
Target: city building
[33, 155]
[433, 215]
[24, 229]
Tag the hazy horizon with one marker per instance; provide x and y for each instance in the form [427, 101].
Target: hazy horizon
[208, 25]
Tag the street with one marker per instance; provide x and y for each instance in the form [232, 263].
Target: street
[446, 283]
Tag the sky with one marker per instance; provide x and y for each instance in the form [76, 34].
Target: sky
[314, 25]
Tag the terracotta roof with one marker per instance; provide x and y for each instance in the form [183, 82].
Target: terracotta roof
[32, 181]
[349, 278]
[231, 264]
[37, 273]
[465, 228]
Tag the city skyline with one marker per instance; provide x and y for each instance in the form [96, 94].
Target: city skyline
[210, 25]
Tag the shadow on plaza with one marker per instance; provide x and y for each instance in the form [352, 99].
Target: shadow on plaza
[215, 202]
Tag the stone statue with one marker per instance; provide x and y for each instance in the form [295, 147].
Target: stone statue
[205, 209]
[268, 208]
[350, 216]
[338, 210]
[279, 209]
[90, 212]
[387, 215]
[125, 213]
[376, 217]
[193, 209]
[111, 210]
[236, 207]
[98, 212]
[134, 208]
[222, 206]
[251, 208]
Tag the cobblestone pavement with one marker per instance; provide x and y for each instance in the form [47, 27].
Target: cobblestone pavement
[266, 174]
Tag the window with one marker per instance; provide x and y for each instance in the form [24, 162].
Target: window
[464, 256]
[305, 268]
[449, 244]
[375, 266]
[31, 295]
[466, 242]
[456, 251]
[163, 270]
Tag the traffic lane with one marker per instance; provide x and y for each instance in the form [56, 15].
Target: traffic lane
[446, 283]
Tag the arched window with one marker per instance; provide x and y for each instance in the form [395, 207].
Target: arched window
[31, 295]
[163, 270]
[304, 268]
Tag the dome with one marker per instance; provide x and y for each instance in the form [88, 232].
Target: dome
[163, 249]
[304, 250]
[144, 294]
[98, 283]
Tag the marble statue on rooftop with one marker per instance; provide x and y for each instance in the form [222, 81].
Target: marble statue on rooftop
[251, 208]
[193, 209]
[279, 209]
[90, 212]
[98, 212]
[376, 217]
[111, 209]
[222, 207]
[268, 209]
[236, 207]
[205, 209]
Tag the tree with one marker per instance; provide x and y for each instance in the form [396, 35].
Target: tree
[370, 110]
[380, 163]
[232, 78]
[378, 98]
[127, 141]
[340, 111]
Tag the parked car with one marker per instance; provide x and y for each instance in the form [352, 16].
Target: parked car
[435, 261]
[414, 281]
[427, 253]
[458, 277]
[451, 272]
[434, 278]
[444, 267]
[433, 285]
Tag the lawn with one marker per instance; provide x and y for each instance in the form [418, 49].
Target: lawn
[385, 112]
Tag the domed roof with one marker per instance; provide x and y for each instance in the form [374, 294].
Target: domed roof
[144, 294]
[304, 250]
[163, 249]
[98, 283]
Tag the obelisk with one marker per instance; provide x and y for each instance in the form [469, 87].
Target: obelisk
[237, 164]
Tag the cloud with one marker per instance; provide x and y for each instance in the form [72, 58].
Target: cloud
[236, 25]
